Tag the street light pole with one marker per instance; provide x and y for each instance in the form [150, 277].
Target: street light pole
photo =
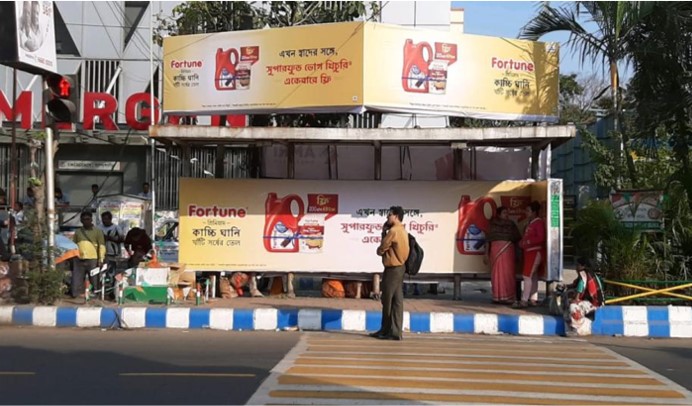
[50, 196]
[152, 110]
[13, 159]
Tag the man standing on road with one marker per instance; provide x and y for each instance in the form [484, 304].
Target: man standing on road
[394, 251]
[92, 251]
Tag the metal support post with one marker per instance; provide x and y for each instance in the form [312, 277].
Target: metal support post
[378, 161]
[457, 287]
[289, 285]
[13, 158]
[50, 193]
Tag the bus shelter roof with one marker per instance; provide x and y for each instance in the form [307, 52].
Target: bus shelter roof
[539, 136]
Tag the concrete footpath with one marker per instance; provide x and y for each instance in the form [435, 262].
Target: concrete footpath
[428, 313]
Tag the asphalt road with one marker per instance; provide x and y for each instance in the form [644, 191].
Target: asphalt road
[74, 366]
[71, 366]
[668, 357]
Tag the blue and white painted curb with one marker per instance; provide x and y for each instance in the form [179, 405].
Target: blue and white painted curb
[637, 321]
[643, 321]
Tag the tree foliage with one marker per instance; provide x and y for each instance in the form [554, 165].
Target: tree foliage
[202, 17]
[610, 44]
[662, 82]
[579, 97]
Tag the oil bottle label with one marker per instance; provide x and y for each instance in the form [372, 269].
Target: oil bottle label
[474, 240]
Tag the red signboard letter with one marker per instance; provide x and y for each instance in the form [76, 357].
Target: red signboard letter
[107, 105]
[138, 111]
[24, 105]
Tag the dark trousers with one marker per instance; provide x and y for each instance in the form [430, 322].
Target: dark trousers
[81, 268]
[393, 301]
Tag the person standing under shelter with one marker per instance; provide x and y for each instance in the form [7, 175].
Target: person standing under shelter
[92, 251]
[145, 193]
[533, 245]
[29, 200]
[93, 203]
[502, 236]
[394, 251]
[61, 199]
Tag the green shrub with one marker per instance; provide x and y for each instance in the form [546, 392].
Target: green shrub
[45, 287]
[621, 254]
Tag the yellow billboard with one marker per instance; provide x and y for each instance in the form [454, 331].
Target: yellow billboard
[335, 226]
[351, 67]
[306, 68]
[417, 71]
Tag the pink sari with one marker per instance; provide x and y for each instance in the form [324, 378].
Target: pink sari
[502, 277]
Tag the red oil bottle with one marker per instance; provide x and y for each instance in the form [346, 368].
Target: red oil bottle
[473, 224]
[226, 62]
[280, 224]
[415, 75]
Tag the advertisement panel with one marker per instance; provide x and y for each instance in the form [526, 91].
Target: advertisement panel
[349, 67]
[306, 68]
[335, 226]
[36, 34]
[642, 209]
[413, 70]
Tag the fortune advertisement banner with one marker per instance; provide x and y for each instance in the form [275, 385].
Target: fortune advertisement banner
[351, 67]
[317, 67]
[335, 226]
[413, 70]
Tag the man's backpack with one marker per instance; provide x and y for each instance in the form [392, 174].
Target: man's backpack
[415, 256]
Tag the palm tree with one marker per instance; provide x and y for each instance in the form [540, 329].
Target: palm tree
[610, 44]
[662, 83]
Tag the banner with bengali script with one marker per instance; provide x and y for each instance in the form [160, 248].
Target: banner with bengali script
[335, 226]
[416, 70]
[354, 66]
[312, 67]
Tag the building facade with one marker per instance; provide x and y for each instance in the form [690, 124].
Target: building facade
[108, 48]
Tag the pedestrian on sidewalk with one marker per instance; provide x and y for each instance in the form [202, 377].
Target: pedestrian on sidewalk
[582, 297]
[502, 236]
[92, 251]
[533, 245]
[394, 251]
[114, 238]
[138, 244]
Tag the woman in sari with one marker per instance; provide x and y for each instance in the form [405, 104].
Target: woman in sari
[502, 236]
[533, 244]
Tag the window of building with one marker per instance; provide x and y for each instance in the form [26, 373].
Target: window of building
[64, 44]
[134, 11]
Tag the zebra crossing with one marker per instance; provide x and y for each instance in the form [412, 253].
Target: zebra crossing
[344, 368]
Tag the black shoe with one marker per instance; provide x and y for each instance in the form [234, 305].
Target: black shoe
[377, 334]
[395, 338]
